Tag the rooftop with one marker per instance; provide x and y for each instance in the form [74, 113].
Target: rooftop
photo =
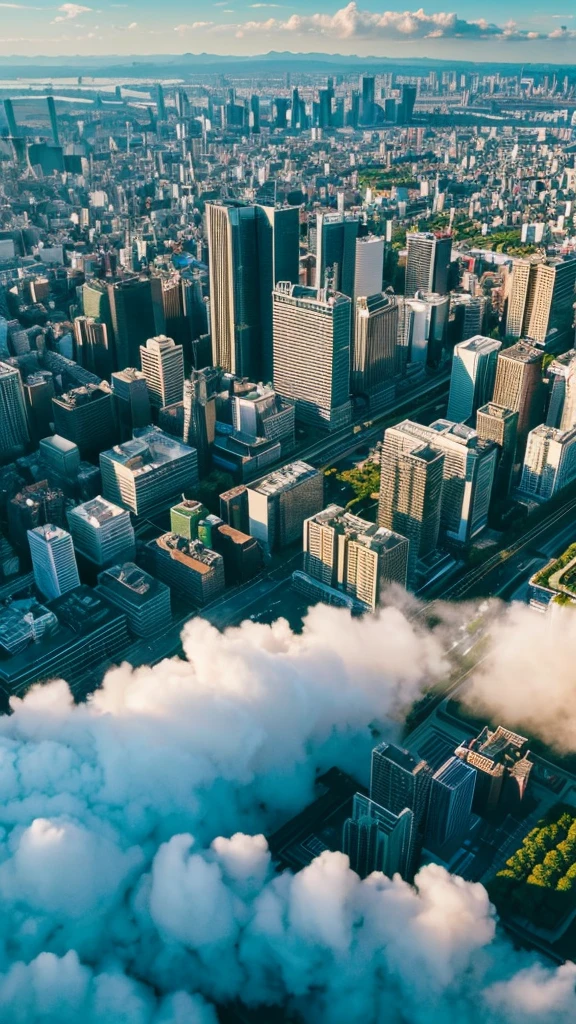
[522, 352]
[191, 552]
[498, 412]
[149, 448]
[285, 478]
[131, 581]
[479, 343]
[98, 511]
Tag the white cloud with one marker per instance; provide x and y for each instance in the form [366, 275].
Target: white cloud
[351, 22]
[193, 27]
[70, 11]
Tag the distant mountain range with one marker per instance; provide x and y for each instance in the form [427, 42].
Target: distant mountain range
[186, 63]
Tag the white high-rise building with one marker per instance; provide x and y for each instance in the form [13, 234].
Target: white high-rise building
[152, 470]
[374, 349]
[427, 263]
[312, 353]
[53, 560]
[14, 434]
[549, 462]
[102, 532]
[369, 265]
[163, 366]
[473, 375]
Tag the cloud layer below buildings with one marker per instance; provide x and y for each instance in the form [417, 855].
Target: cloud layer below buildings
[132, 889]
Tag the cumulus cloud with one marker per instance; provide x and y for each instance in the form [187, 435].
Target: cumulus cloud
[70, 11]
[351, 22]
[136, 884]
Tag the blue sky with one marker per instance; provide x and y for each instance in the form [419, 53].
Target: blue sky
[505, 31]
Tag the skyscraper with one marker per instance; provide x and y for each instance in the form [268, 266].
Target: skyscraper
[399, 780]
[14, 434]
[132, 314]
[163, 366]
[428, 263]
[549, 462]
[336, 240]
[376, 839]
[94, 349]
[131, 401]
[473, 375]
[53, 560]
[367, 104]
[250, 249]
[519, 387]
[368, 265]
[374, 346]
[410, 502]
[562, 406]
[450, 806]
[353, 555]
[541, 301]
[199, 417]
[312, 353]
[496, 423]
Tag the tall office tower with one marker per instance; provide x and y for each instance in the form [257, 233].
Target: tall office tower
[160, 103]
[168, 305]
[428, 263]
[468, 472]
[153, 470]
[199, 417]
[254, 117]
[144, 600]
[353, 555]
[94, 349]
[185, 516]
[9, 112]
[374, 347]
[369, 265]
[85, 415]
[312, 353]
[367, 104]
[412, 339]
[549, 462]
[562, 377]
[102, 532]
[297, 109]
[473, 375]
[496, 423]
[281, 105]
[467, 315]
[194, 571]
[38, 394]
[336, 237]
[541, 301]
[278, 236]
[406, 105]
[519, 387]
[96, 306]
[53, 119]
[450, 806]
[248, 246]
[163, 366]
[53, 560]
[437, 322]
[195, 307]
[279, 503]
[14, 433]
[399, 780]
[132, 314]
[410, 502]
[131, 400]
[234, 508]
[260, 412]
[376, 839]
